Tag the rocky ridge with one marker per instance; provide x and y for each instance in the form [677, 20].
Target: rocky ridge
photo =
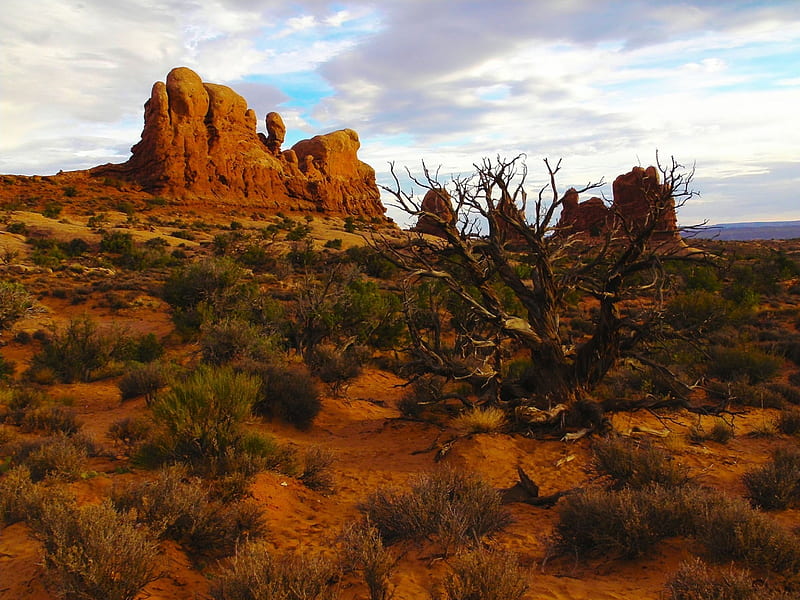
[200, 146]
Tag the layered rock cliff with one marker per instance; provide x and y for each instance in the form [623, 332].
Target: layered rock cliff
[200, 145]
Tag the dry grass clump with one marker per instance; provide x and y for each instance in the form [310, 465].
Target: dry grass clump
[637, 464]
[484, 574]
[450, 507]
[362, 550]
[94, 552]
[695, 580]
[776, 484]
[480, 420]
[721, 432]
[254, 573]
[178, 507]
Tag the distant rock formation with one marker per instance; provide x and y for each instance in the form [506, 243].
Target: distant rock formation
[200, 145]
[635, 195]
[437, 209]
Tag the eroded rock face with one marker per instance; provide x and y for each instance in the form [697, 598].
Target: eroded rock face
[200, 145]
[438, 204]
[638, 196]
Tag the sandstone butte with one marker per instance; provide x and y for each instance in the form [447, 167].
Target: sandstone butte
[634, 193]
[200, 146]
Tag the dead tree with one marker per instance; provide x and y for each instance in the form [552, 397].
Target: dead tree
[513, 275]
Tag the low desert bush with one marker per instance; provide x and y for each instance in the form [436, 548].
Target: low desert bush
[22, 499]
[254, 573]
[731, 530]
[627, 522]
[56, 457]
[362, 550]
[637, 464]
[789, 421]
[94, 552]
[130, 431]
[317, 472]
[51, 420]
[480, 420]
[695, 580]
[234, 339]
[750, 364]
[15, 302]
[143, 380]
[80, 352]
[447, 506]
[484, 574]
[288, 393]
[335, 366]
[776, 484]
[721, 432]
[178, 507]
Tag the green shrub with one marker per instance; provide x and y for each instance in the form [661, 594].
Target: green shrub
[334, 244]
[789, 421]
[485, 574]
[130, 431]
[288, 393]
[450, 507]
[95, 553]
[52, 210]
[17, 227]
[203, 414]
[776, 484]
[15, 303]
[80, 352]
[203, 281]
[695, 580]
[255, 574]
[373, 262]
[235, 339]
[335, 366]
[637, 464]
[750, 364]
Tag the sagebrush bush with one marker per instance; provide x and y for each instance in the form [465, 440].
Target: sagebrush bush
[178, 506]
[335, 366]
[362, 550]
[637, 464]
[55, 457]
[453, 508]
[480, 420]
[235, 339]
[628, 522]
[52, 419]
[789, 421]
[287, 392]
[144, 380]
[22, 499]
[317, 472]
[130, 431]
[695, 580]
[15, 302]
[254, 573]
[776, 484]
[484, 574]
[95, 553]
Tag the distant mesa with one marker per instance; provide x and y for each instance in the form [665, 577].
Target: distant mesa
[200, 146]
[636, 195]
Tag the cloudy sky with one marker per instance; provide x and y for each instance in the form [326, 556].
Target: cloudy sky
[602, 84]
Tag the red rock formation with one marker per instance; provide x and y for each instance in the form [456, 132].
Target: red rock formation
[200, 145]
[439, 208]
[638, 197]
